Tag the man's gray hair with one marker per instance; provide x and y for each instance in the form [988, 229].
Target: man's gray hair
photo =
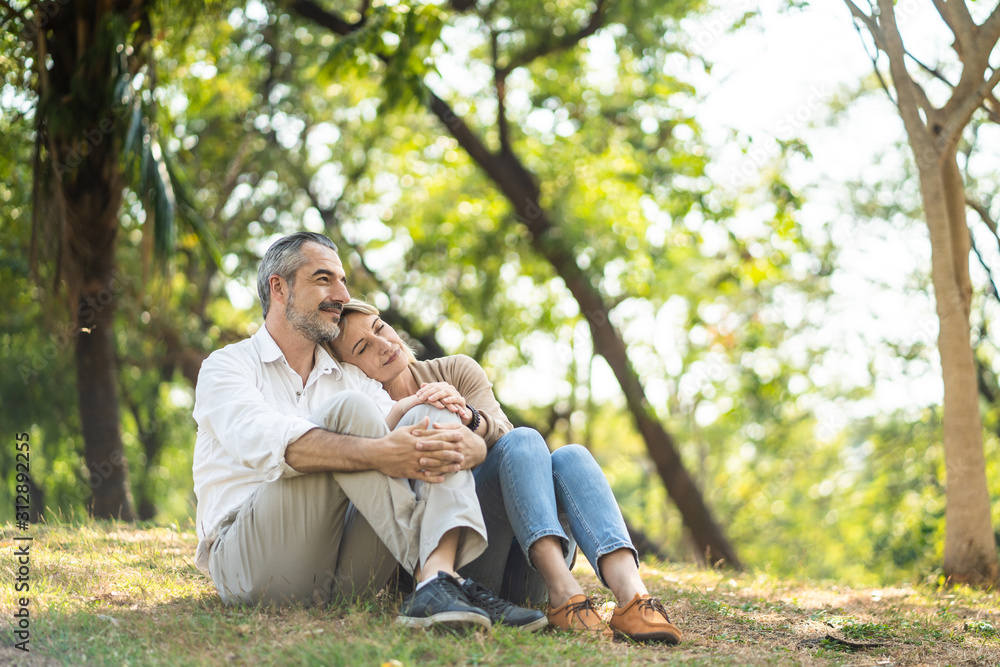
[284, 258]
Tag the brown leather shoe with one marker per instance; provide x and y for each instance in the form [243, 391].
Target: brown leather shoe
[579, 614]
[644, 619]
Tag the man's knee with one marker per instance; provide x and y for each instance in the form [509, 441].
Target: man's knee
[351, 413]
[436, 415]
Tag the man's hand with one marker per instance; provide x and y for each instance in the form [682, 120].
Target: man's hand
[401, 454]
[450, 438]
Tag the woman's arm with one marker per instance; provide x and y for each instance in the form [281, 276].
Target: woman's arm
[399, 409]
[465, 374]
[445, 396]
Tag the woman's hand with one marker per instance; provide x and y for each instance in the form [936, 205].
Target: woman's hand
[444, 396]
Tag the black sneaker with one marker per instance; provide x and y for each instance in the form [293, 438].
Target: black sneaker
[503, 612]
[441, 602]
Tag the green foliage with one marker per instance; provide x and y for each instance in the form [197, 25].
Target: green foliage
[981, 628]
[862, 631]
[262, 123]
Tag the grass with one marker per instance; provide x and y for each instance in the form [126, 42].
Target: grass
[112, 593]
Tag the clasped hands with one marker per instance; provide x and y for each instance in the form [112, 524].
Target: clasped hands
[428, 451]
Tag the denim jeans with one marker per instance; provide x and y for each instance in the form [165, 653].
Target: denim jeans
[527, 492]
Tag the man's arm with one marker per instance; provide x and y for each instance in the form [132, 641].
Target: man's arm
[395, 454]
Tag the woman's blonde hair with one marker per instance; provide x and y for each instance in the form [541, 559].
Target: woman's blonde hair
[365, 308]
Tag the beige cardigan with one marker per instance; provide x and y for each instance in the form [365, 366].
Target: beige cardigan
[470, 380]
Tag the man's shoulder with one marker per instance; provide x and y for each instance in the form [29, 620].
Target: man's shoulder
[242, 357]
[243, 349]
[354, 376]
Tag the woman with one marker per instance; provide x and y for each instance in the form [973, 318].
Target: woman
[522, 487]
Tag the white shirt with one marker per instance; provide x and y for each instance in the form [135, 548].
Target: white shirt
[250, 405]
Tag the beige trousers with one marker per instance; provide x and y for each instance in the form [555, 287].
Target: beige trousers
[316, 537]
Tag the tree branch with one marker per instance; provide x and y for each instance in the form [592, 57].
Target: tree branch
[956, 17]
[986, 267]
[869, 22]
[965, 106]
[462, 6]
[989, 31]
[984, 215]
[518, 185]
[908, 100]
[500, 83]
[310, 10]
[874, 59]
[567, 41]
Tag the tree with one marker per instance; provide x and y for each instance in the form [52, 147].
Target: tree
[935, 131]
[91, 116]
[521, 36]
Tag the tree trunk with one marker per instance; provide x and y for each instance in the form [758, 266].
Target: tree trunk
[520, 189]
[970, 551]
[78, 70]
[97, 388]
[92, 198]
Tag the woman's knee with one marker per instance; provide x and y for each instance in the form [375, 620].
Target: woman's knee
[436, 415]
[575, 457]
[522, 442]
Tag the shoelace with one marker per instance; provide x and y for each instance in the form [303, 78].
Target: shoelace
[579, 607]
[449, 584]
[483, 597]
[655, 605]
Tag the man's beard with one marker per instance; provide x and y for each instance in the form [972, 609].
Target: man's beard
[310, 325]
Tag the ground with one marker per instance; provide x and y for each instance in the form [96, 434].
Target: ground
[112, 593]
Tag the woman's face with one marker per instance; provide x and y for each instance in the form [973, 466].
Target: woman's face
[371, 345]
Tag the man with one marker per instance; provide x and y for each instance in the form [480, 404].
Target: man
[304, 495]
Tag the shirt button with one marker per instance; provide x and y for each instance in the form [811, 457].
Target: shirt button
[298, 393]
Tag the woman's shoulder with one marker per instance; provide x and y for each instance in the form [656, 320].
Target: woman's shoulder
[443, 368]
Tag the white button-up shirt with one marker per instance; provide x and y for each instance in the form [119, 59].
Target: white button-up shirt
[250, 405]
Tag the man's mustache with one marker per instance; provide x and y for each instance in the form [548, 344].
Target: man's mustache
[331, 305]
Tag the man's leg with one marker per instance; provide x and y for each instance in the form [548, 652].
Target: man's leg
[411, 516]
[299, 539]
[283, 546]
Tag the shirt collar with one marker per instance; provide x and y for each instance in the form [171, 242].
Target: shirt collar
[270, 352]
[325, 363]
[268, 349]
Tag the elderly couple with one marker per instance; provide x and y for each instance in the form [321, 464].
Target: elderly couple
[327, 455]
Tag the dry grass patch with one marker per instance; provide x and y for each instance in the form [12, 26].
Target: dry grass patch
[111, 593]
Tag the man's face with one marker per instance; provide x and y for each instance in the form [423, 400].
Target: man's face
[317, 296]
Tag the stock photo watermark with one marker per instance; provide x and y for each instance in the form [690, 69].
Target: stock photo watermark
[88, 310]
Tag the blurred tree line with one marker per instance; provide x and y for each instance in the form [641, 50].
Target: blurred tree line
[524, 183]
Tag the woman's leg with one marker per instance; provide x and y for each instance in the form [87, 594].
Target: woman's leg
[596, 521]
[517, 477]
[489, 568]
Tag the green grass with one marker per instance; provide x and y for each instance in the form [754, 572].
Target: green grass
[112, 593]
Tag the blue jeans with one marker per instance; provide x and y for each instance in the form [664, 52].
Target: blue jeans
[527, 492]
